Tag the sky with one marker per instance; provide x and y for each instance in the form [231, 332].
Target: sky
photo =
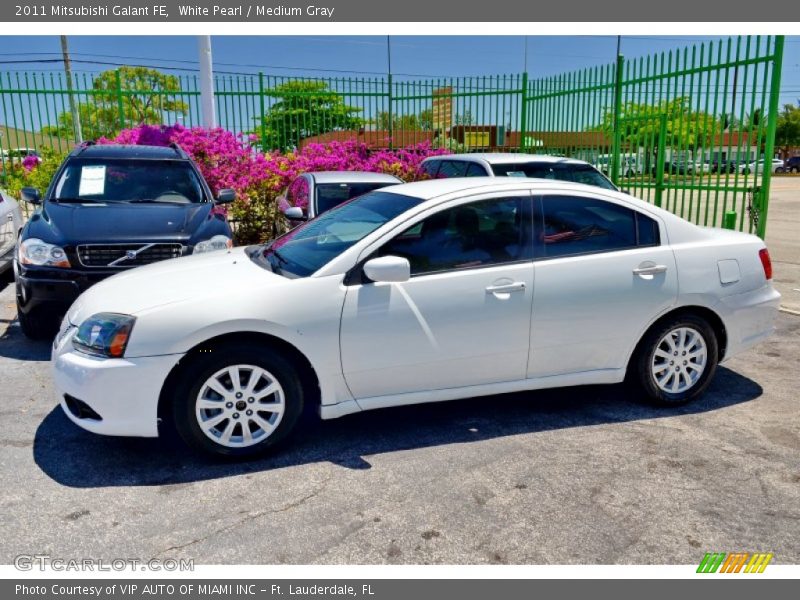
[413, 56]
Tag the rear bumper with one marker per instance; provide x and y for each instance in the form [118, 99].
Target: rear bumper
[749, 318]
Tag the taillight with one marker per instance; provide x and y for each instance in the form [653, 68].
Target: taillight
[763, 254]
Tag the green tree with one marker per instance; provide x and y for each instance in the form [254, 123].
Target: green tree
[148, 97]
[421, 122]
[787, 131]
[640, 124]
[304, 109]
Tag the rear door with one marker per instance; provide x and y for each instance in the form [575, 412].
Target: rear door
[603, 272]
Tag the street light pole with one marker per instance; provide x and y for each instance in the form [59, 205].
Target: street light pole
[206, 82]
[73, 106]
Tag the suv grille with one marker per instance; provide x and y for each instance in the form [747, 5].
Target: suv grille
[126, 255]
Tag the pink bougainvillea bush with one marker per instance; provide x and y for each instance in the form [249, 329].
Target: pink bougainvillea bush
[228, 160]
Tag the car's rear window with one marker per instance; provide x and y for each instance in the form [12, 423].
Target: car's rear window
[576, 173]
[334, 194]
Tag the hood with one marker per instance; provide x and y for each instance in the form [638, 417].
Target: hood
[66, 224]
[202, 276]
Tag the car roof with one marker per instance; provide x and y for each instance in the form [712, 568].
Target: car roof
[353, 177]
[111, 151]
[510, 157]
[434, 188]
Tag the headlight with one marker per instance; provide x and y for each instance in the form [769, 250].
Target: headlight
[218, 242]
[104, 334]
[36, 252]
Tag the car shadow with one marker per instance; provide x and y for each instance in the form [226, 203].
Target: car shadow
[75, 458]
[14, 344]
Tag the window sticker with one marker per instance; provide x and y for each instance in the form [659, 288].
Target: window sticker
[93, 181]
[516, 174]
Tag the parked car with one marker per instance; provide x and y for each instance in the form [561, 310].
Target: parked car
[108, 209]
[19, 154]
[515, 165]
[10, 224]
[792, 164]
[758, 166]
[421, 292]
[312, 194]
[723, 166]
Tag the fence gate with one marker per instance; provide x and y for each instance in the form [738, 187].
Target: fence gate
[691, 130]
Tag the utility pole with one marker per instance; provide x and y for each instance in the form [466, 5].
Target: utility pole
[73, 106]
[389, 82]
[525, 57]
[206, 82]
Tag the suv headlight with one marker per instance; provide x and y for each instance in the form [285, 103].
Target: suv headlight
[34, 251]
[104, 334]
[218, 242]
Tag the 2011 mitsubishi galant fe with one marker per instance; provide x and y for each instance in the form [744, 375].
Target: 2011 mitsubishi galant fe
[414, 293]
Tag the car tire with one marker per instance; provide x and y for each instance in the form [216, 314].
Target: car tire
[656, 367]
[238, 409]
[37, 324]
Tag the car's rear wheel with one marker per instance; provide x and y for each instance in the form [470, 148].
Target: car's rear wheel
[676, 360]
[237, 400]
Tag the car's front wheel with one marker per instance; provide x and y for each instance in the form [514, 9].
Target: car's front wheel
[676, 360]
[237, 400]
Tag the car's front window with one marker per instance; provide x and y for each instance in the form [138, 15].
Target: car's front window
[307, 248]
[577, 173]
[112, 180]
[330, 195]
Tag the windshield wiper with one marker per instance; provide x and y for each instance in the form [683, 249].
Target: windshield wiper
[154, 201]
[79, 201]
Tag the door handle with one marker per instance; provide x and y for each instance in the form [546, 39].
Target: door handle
[650, 270]
[505, 288]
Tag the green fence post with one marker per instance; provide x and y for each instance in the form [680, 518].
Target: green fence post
[662, 146]
[523, 112]
[263, 109]
[120, 104]
[769, 146]
[729, 219]
[390, 112]
[617, 112]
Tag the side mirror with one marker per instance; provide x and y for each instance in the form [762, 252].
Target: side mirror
[31, 195]
[388, 269]
[225, 196]
[295, 213]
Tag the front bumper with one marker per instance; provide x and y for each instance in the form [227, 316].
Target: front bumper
[122, 392]
[53, 287]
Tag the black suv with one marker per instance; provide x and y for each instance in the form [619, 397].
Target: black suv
[110, 208]
[791, 165]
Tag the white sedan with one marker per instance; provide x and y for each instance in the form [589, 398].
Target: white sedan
[414, 293]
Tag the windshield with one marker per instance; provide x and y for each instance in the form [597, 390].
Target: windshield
[334, 194]
[110, 180]
[315, 243]
[585, 174]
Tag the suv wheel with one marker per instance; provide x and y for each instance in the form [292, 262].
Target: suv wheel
[237, 400]
[38, 324]
[676, 360]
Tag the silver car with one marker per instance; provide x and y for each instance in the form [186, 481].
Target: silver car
[10, 224]
[498, 164]
[312, 194]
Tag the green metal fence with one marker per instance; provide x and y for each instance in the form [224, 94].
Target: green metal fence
[685, 130]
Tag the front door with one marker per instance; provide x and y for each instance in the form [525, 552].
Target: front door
[462, 319]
